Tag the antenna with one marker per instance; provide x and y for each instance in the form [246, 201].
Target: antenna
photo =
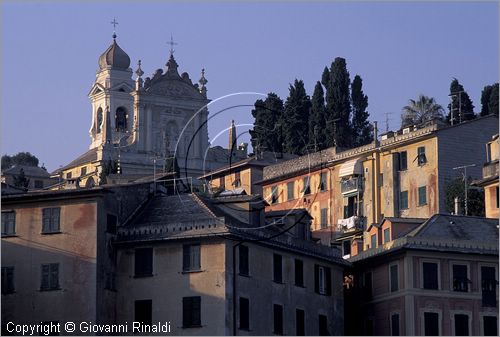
[387, 119]
[466, 187]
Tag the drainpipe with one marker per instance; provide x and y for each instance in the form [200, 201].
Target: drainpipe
[234, 285]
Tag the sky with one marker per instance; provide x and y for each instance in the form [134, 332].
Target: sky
[49, 54]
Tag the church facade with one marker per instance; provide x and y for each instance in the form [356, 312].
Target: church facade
[139, 124]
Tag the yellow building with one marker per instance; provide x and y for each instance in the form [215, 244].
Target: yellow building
[490, 179]
[403, 174]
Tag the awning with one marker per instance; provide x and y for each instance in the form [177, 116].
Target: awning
[352, 167]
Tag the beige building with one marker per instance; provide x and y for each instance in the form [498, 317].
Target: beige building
[38, 178]
[211, 267]
[404, 174]
[439, 277]
[489, 180]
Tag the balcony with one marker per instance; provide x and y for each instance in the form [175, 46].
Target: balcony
[354, 184]
[350, 224]
[490, 169]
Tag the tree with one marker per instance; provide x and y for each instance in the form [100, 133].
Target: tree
[325, 77]
[266, 133]
[21, 158]
[420, 111]
[461, 104]
[492, 103]
[295, 118]
[361, 128]
[475, 197]
[21, 180]
[338, 105]
[317, 134]
[485, 100]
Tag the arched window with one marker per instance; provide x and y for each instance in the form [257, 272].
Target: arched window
[121, 119]
[99, 120]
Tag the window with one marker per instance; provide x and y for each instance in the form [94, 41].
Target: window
[346, 247]
[99, 120]
[222, 183]
[83, 171]
[422, 195]
[111, 223]
[431, 324]
[324, 218]
[277, 268]
[322, 280]
[68, 175]
[274, 194]
[237, 179]
[403, 200]
[387, 235]
[307, 187]
[460, 280]
[300, 322]
[8, 223]
[191, 312]
[373, 241]
[143, 311]
[323, 325]
[121, 119]
[289, 190]
[38, 183]
[191, 257]
[143, 262]
[322, 181]
[488, 286]
[244, 313]
[243, 261]
[50, 276]
[394, 277]
[461, 325]
[299, 273]
[51, 218]
[421, 156]
[7, 280]
[395, 325]
[403, 161]
[430, 275]
[490, 326]
[278, 319]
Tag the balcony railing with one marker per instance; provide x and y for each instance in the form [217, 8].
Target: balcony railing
[351, 185]
[352, 223]
[490, 169]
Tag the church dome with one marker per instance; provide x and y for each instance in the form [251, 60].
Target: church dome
[114, 57]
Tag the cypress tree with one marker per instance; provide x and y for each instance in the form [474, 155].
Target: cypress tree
[296, 119]
[325, 77]
[317, 134]
[338, 105]
[463, 109]
[493, 104]
[361, 129]
[266, 134]
[485, 100]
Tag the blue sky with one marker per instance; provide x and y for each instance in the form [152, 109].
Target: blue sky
[401, 50]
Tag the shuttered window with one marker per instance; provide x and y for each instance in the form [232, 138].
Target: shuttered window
[50, 276]
[322, 280]
[8, 223]
[191, 311]
[430, 271]
[191, 257]
[51, 220]
[7, 280]
[243, 261]
[143, 262]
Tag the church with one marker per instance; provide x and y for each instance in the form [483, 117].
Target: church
[140, 127]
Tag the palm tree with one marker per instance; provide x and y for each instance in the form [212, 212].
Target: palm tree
[420, 111]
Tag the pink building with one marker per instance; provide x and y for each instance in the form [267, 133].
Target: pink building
[438, 278]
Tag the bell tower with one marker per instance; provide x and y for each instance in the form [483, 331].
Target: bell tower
[110, 96]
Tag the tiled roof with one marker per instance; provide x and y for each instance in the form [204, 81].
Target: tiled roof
[87, 157]
[449, 233]
[29, 171]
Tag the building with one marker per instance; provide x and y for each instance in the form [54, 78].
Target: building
[37, 177]
[57, 253]
[402, 175]
[243, 174]
[489, 180]
[226, 273]
[439, 278]
[138, 124]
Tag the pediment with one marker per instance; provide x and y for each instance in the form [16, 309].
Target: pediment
[96, 88]
[122, 87]
[174, 87]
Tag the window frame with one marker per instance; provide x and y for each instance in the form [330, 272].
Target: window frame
[322, 280]
[194, 316]
[323, 221]
[50, 286]
[387, 231]
[495, 267]
[5, 217]
[421, 264]
[401, 193]
[323, 182]
[420, 189]
[422, 320]
[391, 314]
[51, 228]
[188, 267]
[145, 273]
[421, 157]
[373, 241]
[274, 194]
[290, 191]
[467, 313]
[306, 190]
[482, 315]
[391, 290]
[452, 278]
[8, 285]
[405, 161]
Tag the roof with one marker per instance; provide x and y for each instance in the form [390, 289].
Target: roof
[87, 157]
[444, 233]
[29, 171]
[182, 216]
[9, 189]
[114, 57]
